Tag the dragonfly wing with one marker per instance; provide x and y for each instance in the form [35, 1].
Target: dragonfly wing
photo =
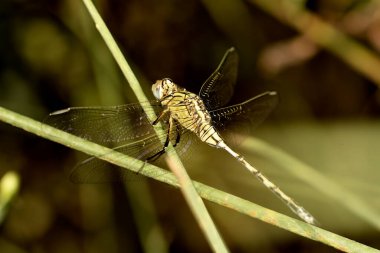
[217, 90]
[109, 126]
[95, 170]
[124, 128]
[252, 111]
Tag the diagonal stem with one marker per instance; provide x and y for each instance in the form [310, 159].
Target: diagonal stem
[207, 192]
[194, 201]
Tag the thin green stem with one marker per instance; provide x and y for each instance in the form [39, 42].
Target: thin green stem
[209, 193]
[193, 199]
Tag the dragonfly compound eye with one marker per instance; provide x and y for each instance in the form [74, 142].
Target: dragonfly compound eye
[164, 87]
[158, 89]
[167, 82]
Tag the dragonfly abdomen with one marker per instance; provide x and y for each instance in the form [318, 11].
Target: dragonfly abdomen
[209, 135]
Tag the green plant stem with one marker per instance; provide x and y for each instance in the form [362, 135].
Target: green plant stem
[209, 193]
[193, 199]
[324, 34]
[109, 89]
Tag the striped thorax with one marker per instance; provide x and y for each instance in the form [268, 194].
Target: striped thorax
[187, 109]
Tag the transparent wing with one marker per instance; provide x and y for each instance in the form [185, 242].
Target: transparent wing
[95, 170]
[251, 112]
[125, 128]
[109, 126]
[217, 90]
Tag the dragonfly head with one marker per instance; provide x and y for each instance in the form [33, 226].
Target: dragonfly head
[162, 88]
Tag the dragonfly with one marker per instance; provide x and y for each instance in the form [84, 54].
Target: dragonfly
[127, 128]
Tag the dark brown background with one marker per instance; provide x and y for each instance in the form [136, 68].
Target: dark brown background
[52, 57]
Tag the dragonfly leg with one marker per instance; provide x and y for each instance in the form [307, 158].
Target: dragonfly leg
[178, 137]
[160, 116]
[141, 168]
[157, 155]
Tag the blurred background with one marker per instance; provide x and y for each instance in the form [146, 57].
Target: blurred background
[52, 57]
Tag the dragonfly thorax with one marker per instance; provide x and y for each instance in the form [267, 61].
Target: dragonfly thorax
[164, 87]
[187, 109]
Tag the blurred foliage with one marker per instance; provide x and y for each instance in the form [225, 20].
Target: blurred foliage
[52, 57]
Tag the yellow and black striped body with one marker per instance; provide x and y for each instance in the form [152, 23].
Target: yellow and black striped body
[189, 110]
